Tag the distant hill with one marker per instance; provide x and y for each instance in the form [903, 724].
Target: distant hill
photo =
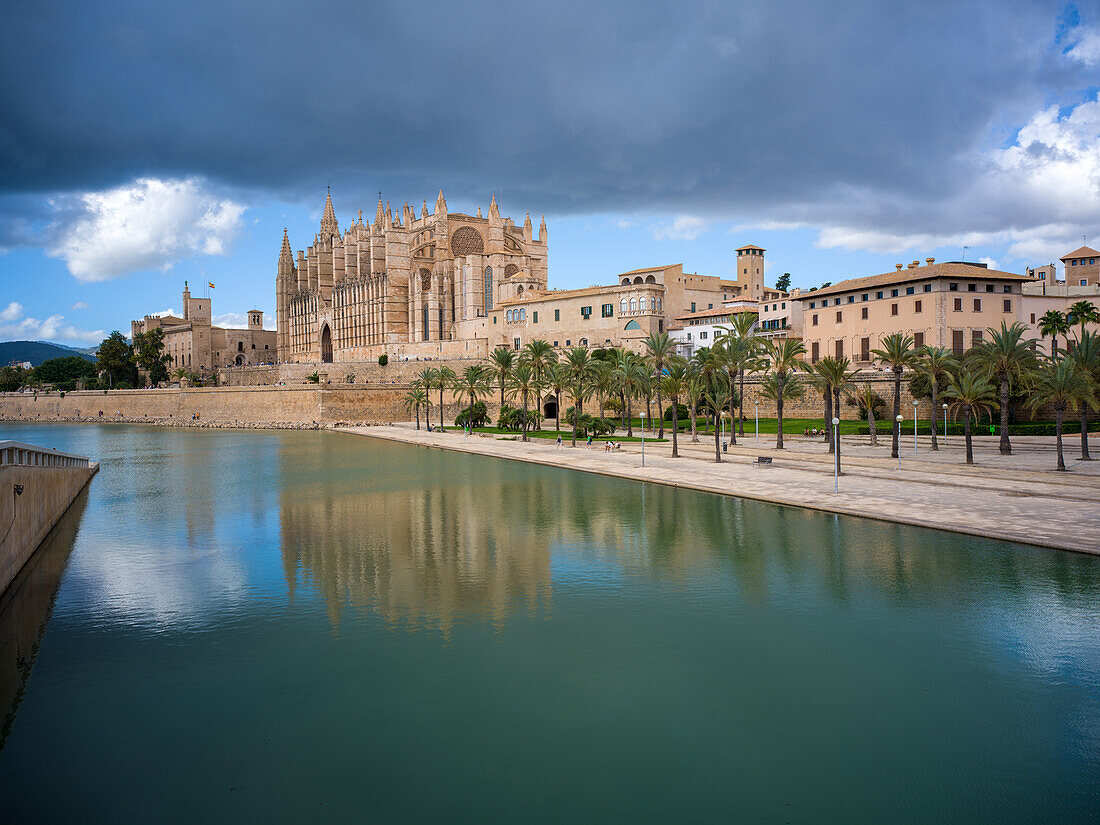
[37, 351]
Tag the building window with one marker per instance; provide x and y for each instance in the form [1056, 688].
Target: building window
[975, 337]
[989, 287]
[839, 316]
[703, 336]
[836, 302]
[878, 295]
[958, 305]
[815, 350]
[957, 341]
[634, 305]
[240, 346]
[918, 339]
[893, 309]
[555, 343]
[1073, 262]
[692, 303]
[1033, 318]
[607, 310]
[916, 306]
[909, 290]
[586, 312]
[952, 287]
[864, 296]
[1083, 282]
[813, 305]
[863, 313]
[971, 287]
[622, 306]
[557, 314]
[568, 343]
[814, 322]
[1008, 288]
[840, 348]
[535, 317]
[977, 304]
[652, 304]
[1008, 305]
[928, 287]
[851, 299]
[515, 344]
[864, 349]
[893, 293]
[488, 288]
[523, 314]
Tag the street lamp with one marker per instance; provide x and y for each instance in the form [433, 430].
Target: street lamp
[899, 419]
[945, 425]
[836, 457]
[914, 428]
[643, 437]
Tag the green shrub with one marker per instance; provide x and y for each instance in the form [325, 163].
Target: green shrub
[681, 412]
[314, 379]
[511, 418]
[383, 359]
[476, 415]
[982, 428]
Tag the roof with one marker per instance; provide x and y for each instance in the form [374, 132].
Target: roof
[554, 294]
[721, 312]
[1083, 252]
[950, 269]
[649, 269]
[750, 246]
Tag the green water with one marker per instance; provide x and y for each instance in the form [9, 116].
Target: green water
[309, 626]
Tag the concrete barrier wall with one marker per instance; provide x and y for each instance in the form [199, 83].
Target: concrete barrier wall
[26, 519]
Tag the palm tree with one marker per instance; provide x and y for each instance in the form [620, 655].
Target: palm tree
[660, 349]
[694, 391]
[1083, 312]
[718, 396]
[972, 393]
[541, 355]
[1053, 323]
[1086, 355]
[708, 363]
[602, 381]
[837, 376]
[937, 363]
[816, 379]
[672, 385]
[524, 382]
[780, 390]
[866, 398]
[785, 355]
[629, 375]
[1008, 357]
[744, 356]
[1061, 385]
[557, 379]
[425, 380]
[501, 361]
[444, 377]
[413, 399]
[897, 351]
[579, 370]
[474, 383]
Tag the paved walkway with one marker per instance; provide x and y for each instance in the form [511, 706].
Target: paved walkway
[1003, 497]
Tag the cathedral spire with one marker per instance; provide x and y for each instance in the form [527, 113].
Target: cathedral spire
[329, 226]
[424, 209]
[440, 203]
[494, 211]
[380, 214]
[286, 254]
[542, 230]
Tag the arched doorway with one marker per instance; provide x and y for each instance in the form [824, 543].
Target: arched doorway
[550, 408]
[240, 360]
[326, 345]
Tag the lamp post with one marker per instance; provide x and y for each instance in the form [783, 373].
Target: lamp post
[899, 419]
[643, 437]
[914, 428]
[945, 425]
[836, 457]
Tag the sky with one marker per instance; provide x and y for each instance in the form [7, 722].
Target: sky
[145, 144]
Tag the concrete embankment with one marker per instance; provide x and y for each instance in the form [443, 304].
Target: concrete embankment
[36, 488]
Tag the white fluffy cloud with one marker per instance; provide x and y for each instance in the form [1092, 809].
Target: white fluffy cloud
[16, 325]
[239, 320]
[683, 228]
[80, 305]
[1085, 46]
[148, 224]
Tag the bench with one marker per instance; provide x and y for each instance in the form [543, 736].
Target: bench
[763, 461]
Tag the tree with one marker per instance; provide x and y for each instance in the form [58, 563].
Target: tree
[781, 388]
[784, 355]
[444, 377]
[425, 380]
[578, 368]
[149, 353]
[413, 399]
[116, 358]
[628, 375]
[868, 402]
[936, 364]
[718, 397]
[783, 282]
[1083, 312]
[817, 381]
[557, 378]
[709, 364]
[1062, 385]
[1008, 357]
[1053, 323]
[63, 373]
[672, 385]
[501, 361]
[660, 349]
[972, 393]
[745, 357]
[1086, 355]
[837, 375]
[12, 378]
[540, 355]
[473, 383]
[897, 352]
[694, 392]
[524, 382]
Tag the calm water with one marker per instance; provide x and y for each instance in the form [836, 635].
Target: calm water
[241, 626]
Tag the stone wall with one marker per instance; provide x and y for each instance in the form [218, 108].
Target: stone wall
[397, 371]
[26, 519]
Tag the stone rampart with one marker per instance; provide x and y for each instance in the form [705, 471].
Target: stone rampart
[36, 488]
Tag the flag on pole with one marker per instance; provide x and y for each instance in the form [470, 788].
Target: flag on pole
[209, 284]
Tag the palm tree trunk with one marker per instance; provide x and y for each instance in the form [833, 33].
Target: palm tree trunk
[780, 381]
[418, 416]
[576, 403]
[733, 424]
[897, 411]
[829, 418]
[675, 427]
[967, 434]
[741, 403]
[557, 411]
[1085, 433]
[629, 419]
[1058, 437]
[935, 444]
[524, 428]
[502, 391]
[1006, 445]
[717, 451]
[660, 412]
[871, 427]
[694, 433]
[836, 430]
[441, 407]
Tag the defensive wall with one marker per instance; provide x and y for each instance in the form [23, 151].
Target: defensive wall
[36, 488]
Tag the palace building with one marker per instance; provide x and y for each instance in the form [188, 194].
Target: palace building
[451, 285]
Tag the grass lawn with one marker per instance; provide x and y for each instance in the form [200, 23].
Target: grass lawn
[552, 434]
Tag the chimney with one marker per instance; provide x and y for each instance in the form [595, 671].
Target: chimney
[914, 265]
[898, 266]
[930, 261]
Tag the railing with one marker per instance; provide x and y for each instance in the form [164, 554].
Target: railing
[14, 453]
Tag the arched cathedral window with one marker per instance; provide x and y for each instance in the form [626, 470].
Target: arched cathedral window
[488, 288]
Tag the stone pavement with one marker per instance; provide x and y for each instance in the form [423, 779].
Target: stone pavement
[1003, 497]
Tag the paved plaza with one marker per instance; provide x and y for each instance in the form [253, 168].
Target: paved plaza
[1015, 498]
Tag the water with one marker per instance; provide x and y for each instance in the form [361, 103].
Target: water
[309, 626]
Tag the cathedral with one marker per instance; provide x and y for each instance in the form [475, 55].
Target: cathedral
[403, 285]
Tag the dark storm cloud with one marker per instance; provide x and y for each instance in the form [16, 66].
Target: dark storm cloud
[569, 105]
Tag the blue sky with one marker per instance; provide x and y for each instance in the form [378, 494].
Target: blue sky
[144, 145]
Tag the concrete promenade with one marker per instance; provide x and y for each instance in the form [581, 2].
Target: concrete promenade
[1013, 498]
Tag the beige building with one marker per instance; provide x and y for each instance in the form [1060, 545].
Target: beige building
[946, 305]
[1082, 267]
[194, 344]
